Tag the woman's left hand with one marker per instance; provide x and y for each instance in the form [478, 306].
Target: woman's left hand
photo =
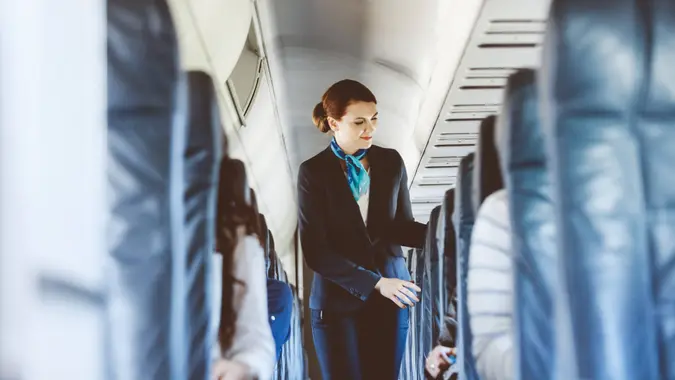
[224, 369]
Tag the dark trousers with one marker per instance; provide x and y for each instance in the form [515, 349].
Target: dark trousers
[367, 344]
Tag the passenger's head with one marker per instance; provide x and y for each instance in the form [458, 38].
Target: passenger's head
[236, 205]
[348, 109]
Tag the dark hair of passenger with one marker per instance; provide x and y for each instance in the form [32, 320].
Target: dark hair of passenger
[234, 210]
[336, 99]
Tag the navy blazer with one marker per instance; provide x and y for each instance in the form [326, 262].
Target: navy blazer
[347, 257]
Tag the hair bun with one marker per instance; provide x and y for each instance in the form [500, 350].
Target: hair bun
[320, 118]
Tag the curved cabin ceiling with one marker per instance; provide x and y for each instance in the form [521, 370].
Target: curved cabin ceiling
[405, 51]
[507, 35]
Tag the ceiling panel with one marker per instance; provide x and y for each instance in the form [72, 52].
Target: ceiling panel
[508, 35]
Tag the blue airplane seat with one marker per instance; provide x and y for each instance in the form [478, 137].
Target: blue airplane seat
[463, 219]
[487, 176]
[520, 143]
[608, 108]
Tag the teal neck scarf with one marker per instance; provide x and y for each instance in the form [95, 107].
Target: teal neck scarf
[357, 176]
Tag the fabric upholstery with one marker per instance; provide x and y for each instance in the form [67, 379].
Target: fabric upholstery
[146, 338]
[608, 100]
[487, 173]
[520, 143]
[463, 219]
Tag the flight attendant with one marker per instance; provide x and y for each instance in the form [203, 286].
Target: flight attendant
[354, 216]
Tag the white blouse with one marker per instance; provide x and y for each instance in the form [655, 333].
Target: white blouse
[490, 290]
[253, 343]
[364, 202]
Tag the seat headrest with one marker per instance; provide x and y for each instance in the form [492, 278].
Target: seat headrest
[464, 211]
[204, 107]
[143, 68]
[519, 138]
[433, 220]
[487, 176]
[449, 201]
[201, 98]
[448, 211]
[445, 220]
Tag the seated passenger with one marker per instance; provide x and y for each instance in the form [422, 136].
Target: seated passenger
[443, 356]
[279, 294]
[490, 290]
[439, 361]
[245, 346]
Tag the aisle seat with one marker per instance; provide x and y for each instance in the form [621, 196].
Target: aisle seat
[520, 143]
[463, 219]
[608, 111]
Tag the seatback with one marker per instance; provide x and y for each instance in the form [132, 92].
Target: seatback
[437, 275]
[608, 98]
[447, 273]
[201, 158]
[429, 326]
[520, 143]
[463, 219]
[487, 173]
[413, 357]
[449, 250]
[145, 224]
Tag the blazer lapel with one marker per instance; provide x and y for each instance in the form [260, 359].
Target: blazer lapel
[338, 182]
[376, 199]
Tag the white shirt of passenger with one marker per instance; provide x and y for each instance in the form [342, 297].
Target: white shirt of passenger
[252, 343]
[490, 290]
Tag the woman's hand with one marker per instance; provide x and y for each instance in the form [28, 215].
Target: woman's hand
[437, 362]
[224, 369]
[398, 291]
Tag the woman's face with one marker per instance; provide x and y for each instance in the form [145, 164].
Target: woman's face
[356, 128]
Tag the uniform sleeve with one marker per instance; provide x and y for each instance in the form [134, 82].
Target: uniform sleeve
[404, 230]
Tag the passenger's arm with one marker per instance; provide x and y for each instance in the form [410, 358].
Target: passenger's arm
[404, 230]
[320, 256]
[490, 290]
[252, 343]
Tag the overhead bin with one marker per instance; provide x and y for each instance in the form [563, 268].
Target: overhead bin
[212, 34]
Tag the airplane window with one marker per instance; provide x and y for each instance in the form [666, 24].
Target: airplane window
[245, 78]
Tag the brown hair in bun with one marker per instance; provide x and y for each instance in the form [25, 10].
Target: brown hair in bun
[336, 99]
[320, 118]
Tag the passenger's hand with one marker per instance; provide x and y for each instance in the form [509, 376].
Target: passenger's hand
[224, 369]
[398, 291]
[437, 362]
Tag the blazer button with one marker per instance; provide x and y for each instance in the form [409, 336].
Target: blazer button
[273, 318]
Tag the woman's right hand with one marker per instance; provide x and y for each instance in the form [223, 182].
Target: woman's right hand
[398, 290]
